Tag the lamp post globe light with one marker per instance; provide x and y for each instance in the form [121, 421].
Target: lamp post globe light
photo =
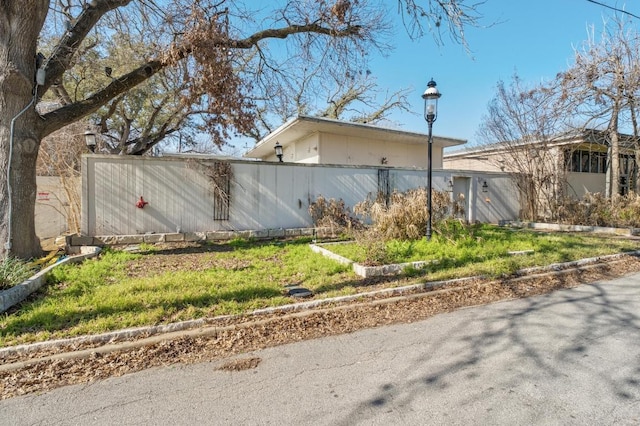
[430, 96]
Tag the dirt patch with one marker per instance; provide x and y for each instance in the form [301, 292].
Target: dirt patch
[184, 257]
[240, 364]
[250, 332]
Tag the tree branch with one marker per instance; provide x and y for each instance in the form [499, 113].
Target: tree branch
[249, 42]
[69, 113]
[63, 54]
[614, 8]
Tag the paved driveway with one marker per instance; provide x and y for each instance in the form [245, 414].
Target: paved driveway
[568, 358]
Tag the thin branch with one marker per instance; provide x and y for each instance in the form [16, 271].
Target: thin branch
[614, 8]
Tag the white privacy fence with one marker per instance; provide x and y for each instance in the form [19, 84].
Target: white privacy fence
[138, 195]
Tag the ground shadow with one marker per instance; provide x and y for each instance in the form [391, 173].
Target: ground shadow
[549, 338]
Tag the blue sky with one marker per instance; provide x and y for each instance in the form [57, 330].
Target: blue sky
[536, 38]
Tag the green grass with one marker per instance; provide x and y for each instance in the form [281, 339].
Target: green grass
[103, 294]
[485, 251]
[13, 271]
[98, 296]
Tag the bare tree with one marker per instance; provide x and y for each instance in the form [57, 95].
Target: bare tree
[216, 37]
[603, 87]
[349, 98]
[521, 123]
[449, 17]
[358, 97]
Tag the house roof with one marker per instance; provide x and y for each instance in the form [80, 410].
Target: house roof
[302, 126]
[587, 136]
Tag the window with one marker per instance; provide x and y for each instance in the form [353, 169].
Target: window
[602, 163]
[586, 161]
[596, 162]
[627, 164]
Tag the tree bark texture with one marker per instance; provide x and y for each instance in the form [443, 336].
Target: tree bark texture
[614, 187]
[20, 25]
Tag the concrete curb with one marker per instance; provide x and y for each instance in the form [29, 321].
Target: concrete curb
[215, 330]
[203, 327]
[18, 293]
[573, 228]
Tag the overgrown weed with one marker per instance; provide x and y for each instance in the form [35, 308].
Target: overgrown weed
[13, 271]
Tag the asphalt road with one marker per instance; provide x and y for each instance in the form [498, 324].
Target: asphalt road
[568, 358]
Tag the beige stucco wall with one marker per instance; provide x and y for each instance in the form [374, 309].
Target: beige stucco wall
[303, 151]
[483, 164]
[306, 150]
[351, 150]
[578, 184]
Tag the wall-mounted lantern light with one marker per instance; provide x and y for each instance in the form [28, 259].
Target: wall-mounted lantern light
[485, 186]
[278, 149]
[90, 140]
[450, 186]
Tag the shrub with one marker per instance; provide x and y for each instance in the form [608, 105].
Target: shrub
[13, 271]
[596, 210]
[457, 231]
[406, 215]
[374, 249]
[332, 214]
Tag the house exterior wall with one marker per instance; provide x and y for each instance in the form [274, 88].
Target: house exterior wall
[488, 163]
[263, 195]
[351, 150]
[579, 184]
[306, 150]
[581, 156]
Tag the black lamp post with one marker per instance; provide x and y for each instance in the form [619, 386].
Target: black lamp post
[278, 149]
[90, 140]
[430, 97]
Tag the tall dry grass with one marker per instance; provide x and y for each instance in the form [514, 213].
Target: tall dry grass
[596, 210]
[405, 218]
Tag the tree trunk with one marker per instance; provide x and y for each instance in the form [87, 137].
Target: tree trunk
[615, 157]
[20, 24]
[636, 169]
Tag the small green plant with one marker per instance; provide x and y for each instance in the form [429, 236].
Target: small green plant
[413, 271]
[372, 249]
[13, 271]
[147, 247]
[457, 231]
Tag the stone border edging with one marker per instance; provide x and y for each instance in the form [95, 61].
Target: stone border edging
[366, 271]
[572, 228]
[162, 332]
[176, 237]
[18, 293]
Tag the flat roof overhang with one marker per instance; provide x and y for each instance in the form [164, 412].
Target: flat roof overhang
[302, 126]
